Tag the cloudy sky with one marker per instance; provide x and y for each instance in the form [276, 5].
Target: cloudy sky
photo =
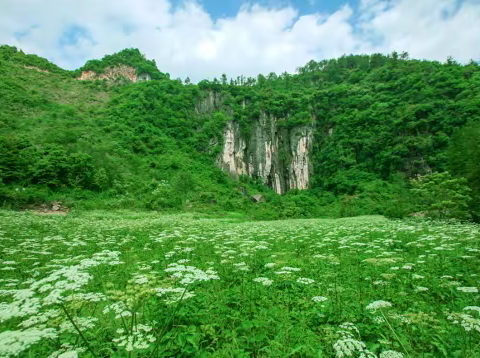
[205, 38]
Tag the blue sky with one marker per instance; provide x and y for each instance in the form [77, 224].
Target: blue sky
[222, 8]
[205, 38]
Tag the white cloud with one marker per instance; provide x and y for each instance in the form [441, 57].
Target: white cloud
[186, 41]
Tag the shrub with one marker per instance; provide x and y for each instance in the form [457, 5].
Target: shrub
[442, 196]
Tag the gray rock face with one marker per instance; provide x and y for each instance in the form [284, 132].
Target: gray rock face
[258, 198]
[143, 77]
[277, 156]
[209, 103]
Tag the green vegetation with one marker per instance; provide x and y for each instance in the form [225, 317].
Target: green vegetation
[125, 284]
[11, 54]
[443, 196]
[129, 57]
[378, 122]
[392, 136]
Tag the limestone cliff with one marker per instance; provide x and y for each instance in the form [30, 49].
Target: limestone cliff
[112, 73]
[277, 156]
[280, 157]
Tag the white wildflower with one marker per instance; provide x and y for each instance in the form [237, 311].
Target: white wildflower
[139, 339]
[293, 269]
[305, 281]
[391, 354]
[468, 289]
[421, 289]
[263, 280]
[12, 343]
[319, 299]
[83, 323]
[378, 305]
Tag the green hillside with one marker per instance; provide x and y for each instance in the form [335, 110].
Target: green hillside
[378, 122]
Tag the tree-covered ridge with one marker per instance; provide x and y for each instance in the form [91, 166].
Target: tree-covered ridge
[129, 57]
[374, 115]
[12, 54]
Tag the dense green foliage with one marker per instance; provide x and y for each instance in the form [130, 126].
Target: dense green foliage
[464, 159]
[442, 196]
[150, 285]
[374, 115]
[378, 121]
[12, 54]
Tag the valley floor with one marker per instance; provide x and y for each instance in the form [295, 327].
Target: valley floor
[129, 284]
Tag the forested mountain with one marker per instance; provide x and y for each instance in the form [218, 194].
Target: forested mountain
[129, 136]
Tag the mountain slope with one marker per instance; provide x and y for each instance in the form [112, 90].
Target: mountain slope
[358, 125]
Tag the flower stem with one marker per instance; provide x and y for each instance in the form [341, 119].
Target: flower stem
[393, 331]
[78, 330]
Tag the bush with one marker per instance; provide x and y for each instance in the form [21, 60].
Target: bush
[441, 196]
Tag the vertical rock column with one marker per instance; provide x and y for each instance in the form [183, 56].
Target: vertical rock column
[260, 156]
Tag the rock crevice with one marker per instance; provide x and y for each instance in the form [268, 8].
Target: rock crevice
[279, 157]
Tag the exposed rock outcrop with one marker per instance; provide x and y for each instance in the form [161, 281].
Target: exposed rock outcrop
[36, 69]
[112, 73]
[277, 156]
[210, 102]
[257, 198]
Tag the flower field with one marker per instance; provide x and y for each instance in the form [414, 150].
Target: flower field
[127, 284]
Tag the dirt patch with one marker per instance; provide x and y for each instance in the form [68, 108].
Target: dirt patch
[55, 208]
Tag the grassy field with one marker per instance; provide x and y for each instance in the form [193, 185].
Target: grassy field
[127, 284]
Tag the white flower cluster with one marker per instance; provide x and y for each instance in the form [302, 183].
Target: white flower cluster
[287, 270]
[70, 277]
[86, 297]
[23, 304]
[378, 320]
[140, 279]
[375, 305]
[472, 308]
[468, 322]
[83, 323]
[263, 280]
[138, 339]
[69, 354]
[12, 343]
[391, 354]
[346, 330]
[351, 348]
[190, 274]
[67, 351]
[120, 310]
[305, 281]
[174, 294]
[242, 266]
[319, 299]
[41, 318]
[348, 346]
[270, 265]
[468, 289]
[421, 289]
